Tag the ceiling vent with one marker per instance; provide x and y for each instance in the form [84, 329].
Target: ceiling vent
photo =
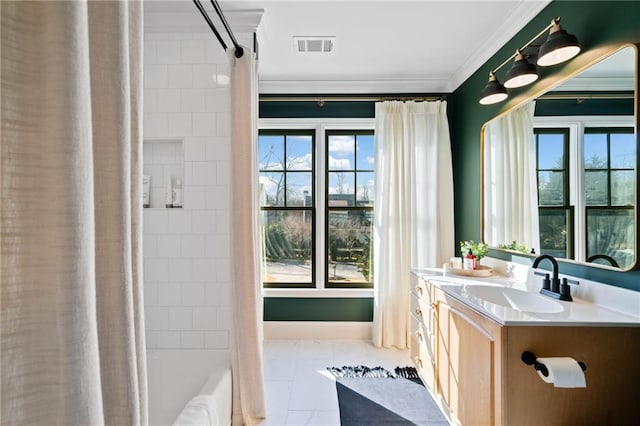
[313, 44]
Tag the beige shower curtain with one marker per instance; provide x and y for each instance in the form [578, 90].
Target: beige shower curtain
[246, 356]
[72, 313]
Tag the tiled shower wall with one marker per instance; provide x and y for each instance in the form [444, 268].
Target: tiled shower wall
[186, 255]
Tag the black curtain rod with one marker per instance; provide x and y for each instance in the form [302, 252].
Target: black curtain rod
[586, 95]
[239, 50]
[350, 98]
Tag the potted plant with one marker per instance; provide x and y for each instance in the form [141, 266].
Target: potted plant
[479, 250]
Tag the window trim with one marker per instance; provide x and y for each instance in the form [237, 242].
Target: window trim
[320, 125]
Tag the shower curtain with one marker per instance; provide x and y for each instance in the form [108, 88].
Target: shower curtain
[510, 180]
[246, 304]
[414, 208]
[72, 310]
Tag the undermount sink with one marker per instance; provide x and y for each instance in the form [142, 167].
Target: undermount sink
[515, 299]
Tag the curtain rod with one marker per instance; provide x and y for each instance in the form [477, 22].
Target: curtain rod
[560, 96]
[367, 98]
[239, 50]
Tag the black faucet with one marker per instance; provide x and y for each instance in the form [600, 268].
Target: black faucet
[552, 287]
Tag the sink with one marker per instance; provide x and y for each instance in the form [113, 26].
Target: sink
[512, 298]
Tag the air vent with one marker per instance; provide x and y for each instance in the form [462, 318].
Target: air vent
[314, 44]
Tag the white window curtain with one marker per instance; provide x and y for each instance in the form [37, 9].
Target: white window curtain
[414, 208]
[246, 358]
[72, 310]
[510, 182]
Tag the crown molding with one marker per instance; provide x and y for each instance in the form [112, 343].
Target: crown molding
[166, 21]
[520, 17]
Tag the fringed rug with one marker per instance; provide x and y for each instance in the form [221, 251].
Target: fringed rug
[376, 396]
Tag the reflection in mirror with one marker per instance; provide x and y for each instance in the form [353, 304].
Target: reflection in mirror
[560, 171]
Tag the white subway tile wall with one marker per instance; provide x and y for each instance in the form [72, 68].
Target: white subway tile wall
[186, 132]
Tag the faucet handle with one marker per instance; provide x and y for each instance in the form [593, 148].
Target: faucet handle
[565, 290]
[546, 282]
[568, 281]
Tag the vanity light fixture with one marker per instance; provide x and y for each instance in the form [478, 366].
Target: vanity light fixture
[559, 47]
[493, 92]
[521, 73]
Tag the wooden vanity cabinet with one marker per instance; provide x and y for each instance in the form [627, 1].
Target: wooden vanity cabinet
[469, 353]
[472, 365]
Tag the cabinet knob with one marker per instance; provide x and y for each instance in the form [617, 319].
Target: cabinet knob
[419, 290]
[419, 312]
[419, 336]
[433, 306]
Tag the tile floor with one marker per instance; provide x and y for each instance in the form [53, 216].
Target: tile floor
[300, 391]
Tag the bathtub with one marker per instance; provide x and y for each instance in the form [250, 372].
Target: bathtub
[189, 387]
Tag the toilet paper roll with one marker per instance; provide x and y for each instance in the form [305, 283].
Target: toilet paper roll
[564, 372]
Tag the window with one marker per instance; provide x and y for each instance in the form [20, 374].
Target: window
[349, 208]
[554, 212]
[311, 242]
[287, 173]
[609, 193]
[592, 170]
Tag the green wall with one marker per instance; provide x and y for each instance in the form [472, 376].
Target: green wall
[318, 309]
[596, 24]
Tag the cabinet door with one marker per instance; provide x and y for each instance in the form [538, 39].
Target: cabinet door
[468, 362]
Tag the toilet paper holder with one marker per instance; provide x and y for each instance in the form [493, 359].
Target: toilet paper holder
[529, 358]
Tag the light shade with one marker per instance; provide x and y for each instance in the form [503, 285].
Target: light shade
[521, 73]
[493, 92]
[558, 48]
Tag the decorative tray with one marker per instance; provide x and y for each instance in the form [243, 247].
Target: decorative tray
[482, 271]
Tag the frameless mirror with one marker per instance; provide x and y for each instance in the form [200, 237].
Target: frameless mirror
[570, 189]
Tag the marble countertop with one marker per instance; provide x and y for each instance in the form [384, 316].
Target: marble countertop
[579, 312]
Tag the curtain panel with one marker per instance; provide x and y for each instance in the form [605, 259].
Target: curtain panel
[414, 208]
[72, 309]
[510, 182]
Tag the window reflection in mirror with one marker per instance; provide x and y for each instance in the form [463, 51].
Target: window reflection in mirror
[585, 142]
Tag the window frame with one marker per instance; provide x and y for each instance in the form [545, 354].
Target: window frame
[566, 168]
[577, 126]
[320, 125]
[287, 208]
[328, 209]
[608, 131]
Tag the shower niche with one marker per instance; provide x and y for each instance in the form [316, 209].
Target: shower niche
[163, 170]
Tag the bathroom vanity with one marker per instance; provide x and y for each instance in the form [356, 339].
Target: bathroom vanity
[468, 337]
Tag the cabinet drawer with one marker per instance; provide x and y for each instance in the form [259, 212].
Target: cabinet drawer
[423, 335]
[423, 311]
[422, 289]
[424, 361]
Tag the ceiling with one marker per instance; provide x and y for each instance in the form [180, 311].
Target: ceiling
[380, 46]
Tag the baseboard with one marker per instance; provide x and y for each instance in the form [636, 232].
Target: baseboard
[317, 330]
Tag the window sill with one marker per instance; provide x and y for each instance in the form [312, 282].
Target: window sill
[317, 292]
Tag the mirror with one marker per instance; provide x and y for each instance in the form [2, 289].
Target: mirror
[560, 173]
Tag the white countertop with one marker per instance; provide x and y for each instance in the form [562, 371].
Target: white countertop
[579, 312]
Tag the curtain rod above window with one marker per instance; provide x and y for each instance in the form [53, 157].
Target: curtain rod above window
[559, 96]
[338, 98]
